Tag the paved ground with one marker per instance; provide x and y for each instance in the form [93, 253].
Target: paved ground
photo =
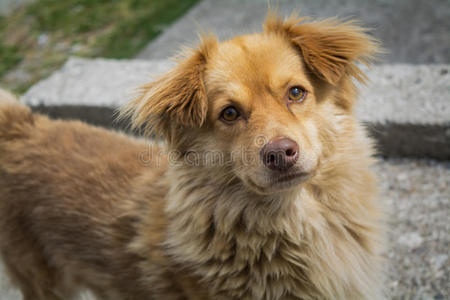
[413, 31]
[416, 194]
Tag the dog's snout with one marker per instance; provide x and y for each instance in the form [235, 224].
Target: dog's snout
[280, 154]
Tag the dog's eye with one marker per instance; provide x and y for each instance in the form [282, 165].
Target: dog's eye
[230, 114]
[296, 94]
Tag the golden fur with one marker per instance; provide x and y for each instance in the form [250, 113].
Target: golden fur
[79, 208]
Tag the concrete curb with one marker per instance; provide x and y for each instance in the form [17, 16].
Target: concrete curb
[405, 107]
[92, 90]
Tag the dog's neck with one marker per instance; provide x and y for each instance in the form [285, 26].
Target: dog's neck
[225, 204]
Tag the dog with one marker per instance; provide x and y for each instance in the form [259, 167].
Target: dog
[262, 188]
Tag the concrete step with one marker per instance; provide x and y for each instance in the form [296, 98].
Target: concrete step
[406, 107]
[417, 259]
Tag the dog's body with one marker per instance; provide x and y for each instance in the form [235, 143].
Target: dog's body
[80, 209]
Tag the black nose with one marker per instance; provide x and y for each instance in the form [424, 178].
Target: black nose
[279, 154]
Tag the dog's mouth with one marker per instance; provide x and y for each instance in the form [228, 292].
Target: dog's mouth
[279, 182]
[290, 177]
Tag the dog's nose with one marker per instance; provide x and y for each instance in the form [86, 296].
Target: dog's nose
[280, 154]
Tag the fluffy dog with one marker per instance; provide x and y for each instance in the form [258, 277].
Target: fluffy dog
[262, 190]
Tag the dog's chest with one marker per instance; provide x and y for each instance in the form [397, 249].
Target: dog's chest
[297, 254]
[272, 266]
[253, 266]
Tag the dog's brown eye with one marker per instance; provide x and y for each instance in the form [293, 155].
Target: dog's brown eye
[230, 114]
[296, 94]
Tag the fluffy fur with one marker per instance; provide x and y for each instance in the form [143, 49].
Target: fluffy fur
[203, 218]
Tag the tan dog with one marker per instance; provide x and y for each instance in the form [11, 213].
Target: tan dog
[265, 192]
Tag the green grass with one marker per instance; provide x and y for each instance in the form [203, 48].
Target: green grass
[10, 57]
[38, 38]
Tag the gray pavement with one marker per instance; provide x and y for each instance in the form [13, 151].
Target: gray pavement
[416, 196]
[412, 31]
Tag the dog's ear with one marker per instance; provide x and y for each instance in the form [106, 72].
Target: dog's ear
[176, 99]
[330, 49]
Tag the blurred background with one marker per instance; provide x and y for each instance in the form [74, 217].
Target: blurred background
[83, 58]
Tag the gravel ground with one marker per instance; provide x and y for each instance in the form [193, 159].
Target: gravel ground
[416, 194]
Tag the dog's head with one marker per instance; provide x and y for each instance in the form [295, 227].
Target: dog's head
[267, 106]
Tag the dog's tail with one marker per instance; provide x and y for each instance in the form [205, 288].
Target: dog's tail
[15, 118]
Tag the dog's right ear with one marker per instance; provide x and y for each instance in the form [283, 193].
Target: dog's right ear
[176, 99]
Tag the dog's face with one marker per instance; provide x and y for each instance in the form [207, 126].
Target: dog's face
[266, 106]
[261, 109]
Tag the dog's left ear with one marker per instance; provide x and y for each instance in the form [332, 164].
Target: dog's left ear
[176, 99]
[330, 49]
